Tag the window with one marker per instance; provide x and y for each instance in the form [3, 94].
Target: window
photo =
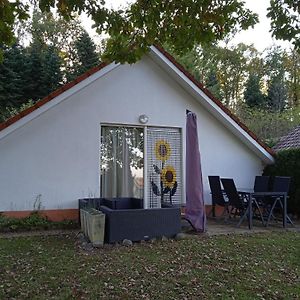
[122, 161]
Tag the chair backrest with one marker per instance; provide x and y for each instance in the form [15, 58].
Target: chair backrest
[261, 184]
[231, 192]
[216, 190]
[281, 184]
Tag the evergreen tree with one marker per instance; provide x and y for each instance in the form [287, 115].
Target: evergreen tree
[51, 75]
[277, 94]
[86, 53]
[12, 77]
[253, 95]
[34, 69]
[43, 74]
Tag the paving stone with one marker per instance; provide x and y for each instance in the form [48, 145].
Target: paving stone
[126, 242]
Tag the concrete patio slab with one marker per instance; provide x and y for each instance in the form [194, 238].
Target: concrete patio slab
[220, 227]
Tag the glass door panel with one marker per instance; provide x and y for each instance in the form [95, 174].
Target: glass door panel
[122, 161]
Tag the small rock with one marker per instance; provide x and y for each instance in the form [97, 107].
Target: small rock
[87, 246]
[181, 236]
[164, 239]
[127, 242]
[81, 237]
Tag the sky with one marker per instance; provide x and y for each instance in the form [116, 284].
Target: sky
[259, 35]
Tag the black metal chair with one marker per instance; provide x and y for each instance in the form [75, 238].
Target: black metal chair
[217, 196]
[261, 184]
[238, 201]
[280, 184]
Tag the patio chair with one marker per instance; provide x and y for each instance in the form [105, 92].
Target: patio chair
[239, 201]
[261, 184]
[217, 196]
[280, 184]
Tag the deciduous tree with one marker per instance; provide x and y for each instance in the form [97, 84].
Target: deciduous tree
[182, 24]
[285, 20]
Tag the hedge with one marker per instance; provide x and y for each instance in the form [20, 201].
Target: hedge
[287, 163]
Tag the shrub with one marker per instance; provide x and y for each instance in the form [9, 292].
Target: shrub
[34, 221]
[268, 125]
[287, 163]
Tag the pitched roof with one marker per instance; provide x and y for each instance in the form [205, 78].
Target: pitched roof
[289, 141]
[94, 70]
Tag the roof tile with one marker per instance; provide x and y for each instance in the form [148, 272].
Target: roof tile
[289, 141]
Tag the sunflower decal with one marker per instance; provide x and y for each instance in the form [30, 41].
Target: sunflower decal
[162, 150]
[168, 176]
[168, 183]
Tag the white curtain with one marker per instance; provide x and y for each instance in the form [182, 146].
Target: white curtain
[118, 156]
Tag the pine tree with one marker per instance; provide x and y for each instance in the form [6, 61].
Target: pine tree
[51, 75]
[34, 69]
[86, 53]
[12, 77]
[43, 71]
[253, 95]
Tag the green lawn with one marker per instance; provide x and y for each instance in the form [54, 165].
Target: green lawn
[227, 267]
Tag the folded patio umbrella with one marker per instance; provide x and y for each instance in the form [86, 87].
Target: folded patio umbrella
[195, 208]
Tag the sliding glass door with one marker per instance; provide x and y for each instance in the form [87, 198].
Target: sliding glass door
[130, 153]
[122, 162]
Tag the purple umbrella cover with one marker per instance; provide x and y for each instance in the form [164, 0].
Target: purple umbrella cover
[195, 208]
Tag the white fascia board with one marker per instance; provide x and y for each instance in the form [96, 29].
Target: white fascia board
[60, 98]
[210, 105]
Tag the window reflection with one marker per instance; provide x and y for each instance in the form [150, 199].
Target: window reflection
[122, 162]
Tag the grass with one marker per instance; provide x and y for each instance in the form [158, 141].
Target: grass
[259, 266]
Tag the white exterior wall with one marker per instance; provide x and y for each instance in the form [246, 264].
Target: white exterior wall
[56, 155]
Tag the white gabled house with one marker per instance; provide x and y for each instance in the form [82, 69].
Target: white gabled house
[101, 135]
